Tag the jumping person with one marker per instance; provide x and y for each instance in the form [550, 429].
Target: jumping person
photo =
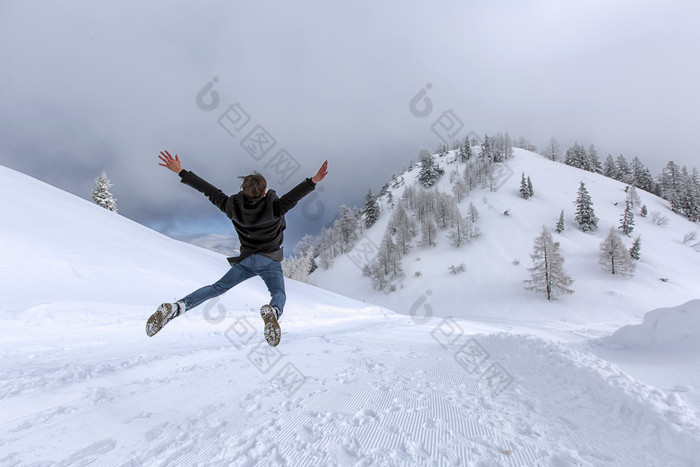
[258, 217]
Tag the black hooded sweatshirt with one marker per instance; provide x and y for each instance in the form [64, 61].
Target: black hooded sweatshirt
[259, 222]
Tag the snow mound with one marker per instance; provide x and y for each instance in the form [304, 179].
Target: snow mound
[584, 398]
[660, 326]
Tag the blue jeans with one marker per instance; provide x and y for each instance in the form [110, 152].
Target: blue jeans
[254, 265]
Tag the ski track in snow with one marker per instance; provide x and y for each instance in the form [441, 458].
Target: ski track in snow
[390, 394]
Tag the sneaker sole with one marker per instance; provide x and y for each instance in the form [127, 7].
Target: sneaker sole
[273, 333]
[158, 319]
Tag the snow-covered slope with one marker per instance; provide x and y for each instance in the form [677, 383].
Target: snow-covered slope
[350, 384]
[496, 263]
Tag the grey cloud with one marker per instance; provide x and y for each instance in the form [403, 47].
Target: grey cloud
[92, 86]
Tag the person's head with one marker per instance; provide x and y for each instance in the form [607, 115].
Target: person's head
[253, 185]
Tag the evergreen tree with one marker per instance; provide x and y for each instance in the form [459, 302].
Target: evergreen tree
[486, 150]
[614, 257]
[524, 191]
[499, 148]
[299, 267]
[560, 223]
[430, 171]
[101, 194]
[347, 225]
[627, 220]
[636, 246]
[670, 184]
[641, 176]
[690, 199]
[643, 212]
[593, 161]
[610, 168]
[306, 248]
[530, 191]
[547, 274]
[585, 215]
[370, 211]
[576, 156]
[623, 169]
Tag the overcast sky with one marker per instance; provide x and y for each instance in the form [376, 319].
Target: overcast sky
[93, 86]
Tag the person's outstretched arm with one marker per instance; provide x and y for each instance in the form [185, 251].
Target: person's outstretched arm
[292, 197]
[216, 196]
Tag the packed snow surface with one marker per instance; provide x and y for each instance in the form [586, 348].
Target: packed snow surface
[352, 383]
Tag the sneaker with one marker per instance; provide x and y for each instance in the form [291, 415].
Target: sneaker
[163, 315]
[273, 333]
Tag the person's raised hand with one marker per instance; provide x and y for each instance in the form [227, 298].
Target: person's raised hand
[172, 163]
[322, 172]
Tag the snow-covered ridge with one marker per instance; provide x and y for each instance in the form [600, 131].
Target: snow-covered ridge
[496, 263]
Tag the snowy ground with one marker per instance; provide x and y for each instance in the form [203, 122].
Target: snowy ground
[350, 384]
[384, 392]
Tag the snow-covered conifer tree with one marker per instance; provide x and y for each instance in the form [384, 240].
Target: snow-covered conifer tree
[101, 194]
[370, 211]
[465, 151]
[641, 176]
[347, 226]
[670, 184]
[530, 191]
[614, 257]
[585, 215]
[643, 212]
[593, 161]
[560, 223]
[524, 191]
[486, 149]
[623, 169]
[547, 273]
[430, 171]
[576, 156]
[636, 247]
[627, 220]
[610, 169]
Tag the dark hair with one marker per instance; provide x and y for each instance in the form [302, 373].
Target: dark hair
[253, 185]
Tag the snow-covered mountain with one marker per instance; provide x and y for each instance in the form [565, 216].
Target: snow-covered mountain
[351, 383]
[491, 287]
